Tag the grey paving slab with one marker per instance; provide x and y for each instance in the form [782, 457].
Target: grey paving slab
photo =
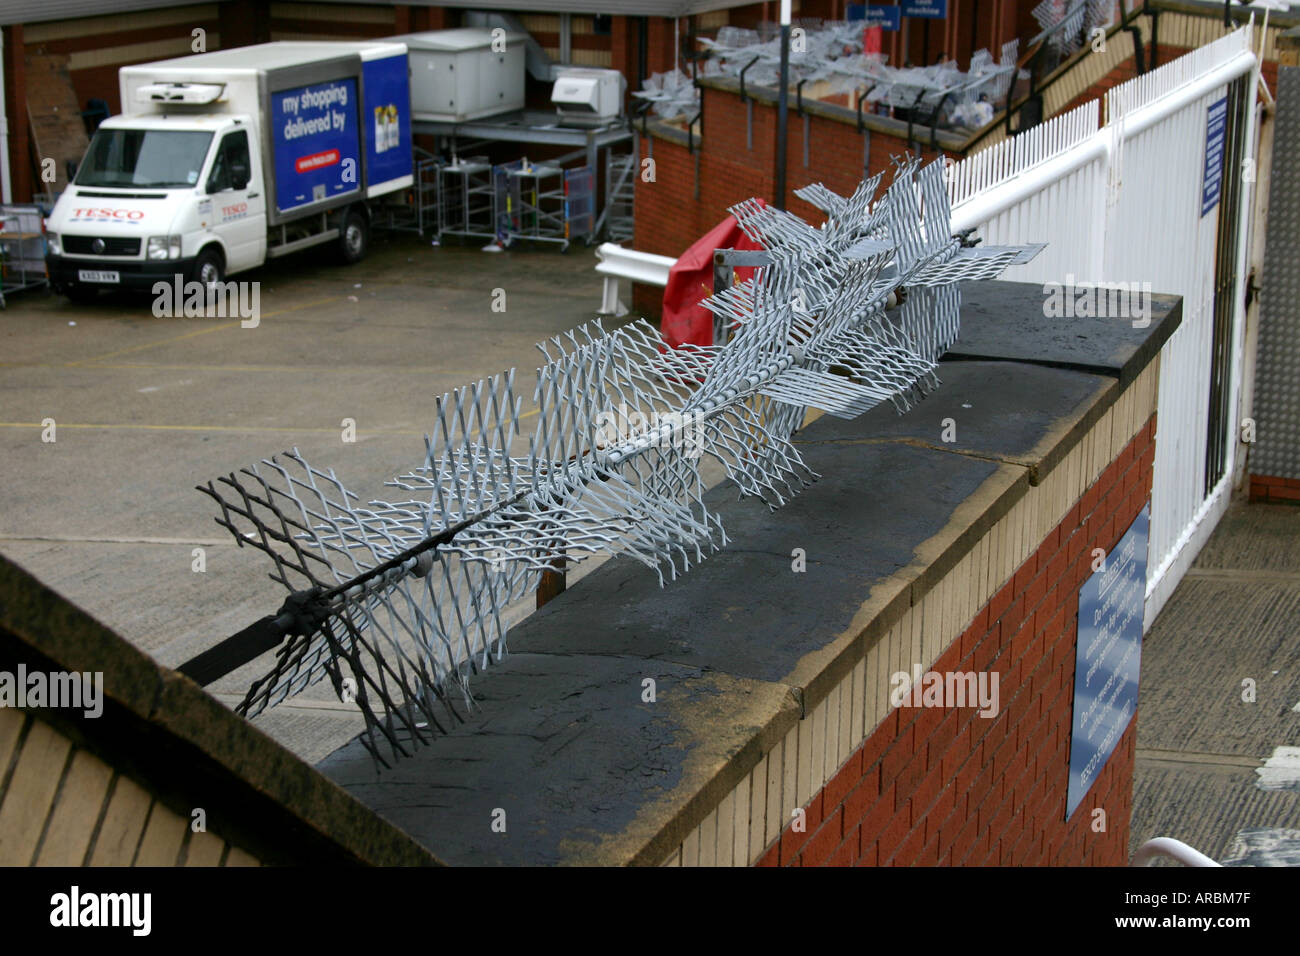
[1261, 537]
[1112, 346]
[1206, 805]
[1234, 618]
[1264, 846]
[1210, 637]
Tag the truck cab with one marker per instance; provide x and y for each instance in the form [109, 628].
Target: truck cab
[223, 159]
[161, 196]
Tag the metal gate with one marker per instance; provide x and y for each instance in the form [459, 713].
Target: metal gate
[1123, 203]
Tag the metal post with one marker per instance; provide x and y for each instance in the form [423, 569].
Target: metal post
[782, 107]
[722, 276]
[866, 133]
[749, 106]
[807, 123]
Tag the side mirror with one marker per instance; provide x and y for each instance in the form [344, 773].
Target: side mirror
[71, 169]
[238, 176]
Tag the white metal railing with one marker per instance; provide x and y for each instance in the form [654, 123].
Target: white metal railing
[618, 263]
[1174, 850]
[1121, 203]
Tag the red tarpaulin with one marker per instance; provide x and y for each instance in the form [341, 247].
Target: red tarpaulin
[872, 39]
[691, 280]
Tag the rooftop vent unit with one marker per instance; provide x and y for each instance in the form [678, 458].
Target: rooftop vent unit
[584, 96]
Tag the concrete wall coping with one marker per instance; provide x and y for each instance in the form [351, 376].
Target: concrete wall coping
[741, 648]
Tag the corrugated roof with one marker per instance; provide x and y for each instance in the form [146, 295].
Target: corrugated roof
[36, 11]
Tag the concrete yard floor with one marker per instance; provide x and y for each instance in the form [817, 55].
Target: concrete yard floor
[146, 408]
[1234, 618]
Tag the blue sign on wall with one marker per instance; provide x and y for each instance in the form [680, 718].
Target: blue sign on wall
[1108, 658]
[888, 18]
[1216, 129]
[929, 9]
[316, 143]
[387, 114]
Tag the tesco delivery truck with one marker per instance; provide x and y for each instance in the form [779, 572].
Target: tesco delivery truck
[221, 160]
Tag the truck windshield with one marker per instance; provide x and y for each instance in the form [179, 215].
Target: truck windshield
[152, 158]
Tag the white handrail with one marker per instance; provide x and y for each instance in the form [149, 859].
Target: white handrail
[618, 263]
[630, 264]
[1174, 849]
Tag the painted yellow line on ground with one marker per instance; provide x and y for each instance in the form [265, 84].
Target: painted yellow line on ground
[197, 332]
[278, 369]
[150, 345]
[60, 539]
[109, 426]
[131, 426]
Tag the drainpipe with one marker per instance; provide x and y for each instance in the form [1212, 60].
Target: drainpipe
[642, 52]
[566, 39]
[782, 107]
[1154, 14]
[5, 195]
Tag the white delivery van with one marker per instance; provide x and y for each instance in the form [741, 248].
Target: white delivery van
[221, 160]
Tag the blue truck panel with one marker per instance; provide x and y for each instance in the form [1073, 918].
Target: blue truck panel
[387, 115]
[316, 142]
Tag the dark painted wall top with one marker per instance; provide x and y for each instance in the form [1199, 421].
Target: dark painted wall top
[561, 741]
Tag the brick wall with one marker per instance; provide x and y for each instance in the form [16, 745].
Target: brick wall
[935, 786]
[669, 217]
[1275, 490]
[96, 47]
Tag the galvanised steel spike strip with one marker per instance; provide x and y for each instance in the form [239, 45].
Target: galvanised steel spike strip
[401, 602]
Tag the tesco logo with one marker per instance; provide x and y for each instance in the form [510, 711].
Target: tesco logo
[110, 213]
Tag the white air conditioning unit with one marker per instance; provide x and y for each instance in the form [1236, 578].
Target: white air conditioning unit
[190, 94]
[588, 95]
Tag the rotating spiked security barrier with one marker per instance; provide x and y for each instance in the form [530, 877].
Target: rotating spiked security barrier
[400, 602]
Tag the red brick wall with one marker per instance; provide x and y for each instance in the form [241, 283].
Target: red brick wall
[1275, 490]
[101, 81]
[669, 217]
[935, 786]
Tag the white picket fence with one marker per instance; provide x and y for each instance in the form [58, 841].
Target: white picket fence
[1122, 203]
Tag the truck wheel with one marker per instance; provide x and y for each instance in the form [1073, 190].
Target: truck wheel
[354, 238]
[208, 267]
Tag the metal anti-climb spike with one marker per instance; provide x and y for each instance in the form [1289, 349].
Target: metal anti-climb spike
[400, 602]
